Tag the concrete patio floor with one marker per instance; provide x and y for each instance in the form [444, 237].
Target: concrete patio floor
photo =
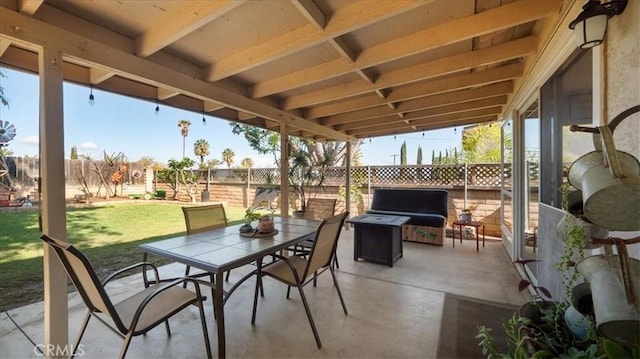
[393, 312]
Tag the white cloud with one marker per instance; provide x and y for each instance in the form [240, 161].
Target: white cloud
[88, 145]
[30, 140]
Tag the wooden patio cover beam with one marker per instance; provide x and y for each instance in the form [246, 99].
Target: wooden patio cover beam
[27, 31]
[449, 32]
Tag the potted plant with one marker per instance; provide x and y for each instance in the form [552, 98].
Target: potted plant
[250, 215]
[574, 228]
[539, 330]
[466, 215]
[533, 309]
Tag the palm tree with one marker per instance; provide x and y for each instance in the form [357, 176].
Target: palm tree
[227, 156]
[184, 131]
[201, 149]
[247, 162]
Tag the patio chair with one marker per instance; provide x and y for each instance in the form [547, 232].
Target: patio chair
[136, 315]
[317, 209]
[296, 271]
[201, 219]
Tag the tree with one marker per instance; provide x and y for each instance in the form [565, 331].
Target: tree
[419, 157]
[201, 149]
[3, 98]
[482, 144]
[184, 131]
[268, 142]
[246, 162]
[403, 154]
[227, 156]
[180, 173]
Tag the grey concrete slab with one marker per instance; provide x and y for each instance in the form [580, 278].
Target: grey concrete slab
[393, 312]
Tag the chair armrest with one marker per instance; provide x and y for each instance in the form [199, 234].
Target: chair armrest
[160, 289]
[131, 267]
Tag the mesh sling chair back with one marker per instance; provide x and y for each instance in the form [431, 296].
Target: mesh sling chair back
[296, 271]
[201, 219]
[317, 209]
[133, 316]
[204, 218]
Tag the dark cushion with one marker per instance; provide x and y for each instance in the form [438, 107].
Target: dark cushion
[417, 219]
[415, 200]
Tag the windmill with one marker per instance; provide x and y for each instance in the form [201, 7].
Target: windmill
[7, 133]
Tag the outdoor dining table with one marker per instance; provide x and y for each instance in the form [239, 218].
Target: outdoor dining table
[221, 250]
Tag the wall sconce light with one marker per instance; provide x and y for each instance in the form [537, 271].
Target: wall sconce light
[591, 25]
[157, 113]
[92, 99]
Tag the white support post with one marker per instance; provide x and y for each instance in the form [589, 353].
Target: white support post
[52, 203]
[465, 185]
[284, 171]
[347, 195]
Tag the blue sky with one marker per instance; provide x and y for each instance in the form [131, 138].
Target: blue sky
[121, 124]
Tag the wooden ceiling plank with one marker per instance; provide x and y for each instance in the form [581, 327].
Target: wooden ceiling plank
[29, 7]
[164, 93]
[357, 15]
[98, 75]
[243, 116]
[344, 49]
[210, 106]
[191, 18]
[439, 100]
[312, 12]
[451, 64]
[435, 101]
[368, 100]
[463, 117]
[95, 54]
[429, 88]
[437, 111]
[480, 78]
[410, 129]
[456, 30]
[4, 45]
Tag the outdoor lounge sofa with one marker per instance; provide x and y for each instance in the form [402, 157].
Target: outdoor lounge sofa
[426, 207]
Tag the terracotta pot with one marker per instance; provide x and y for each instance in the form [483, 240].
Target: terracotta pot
[265, 224]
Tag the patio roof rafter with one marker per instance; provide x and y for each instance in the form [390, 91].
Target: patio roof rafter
[94, 54]
[449, 32]
[352, 17]
[437, 101]
[507, 51]
[428, 112]
[422, 118]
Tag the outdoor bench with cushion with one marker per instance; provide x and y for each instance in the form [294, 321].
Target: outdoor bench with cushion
[427, 209]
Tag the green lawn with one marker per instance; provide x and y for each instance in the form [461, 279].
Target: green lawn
[108, 235]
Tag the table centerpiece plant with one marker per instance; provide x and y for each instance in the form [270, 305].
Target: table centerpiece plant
[250, 215]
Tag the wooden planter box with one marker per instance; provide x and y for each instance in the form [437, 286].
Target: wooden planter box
[423, 234]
